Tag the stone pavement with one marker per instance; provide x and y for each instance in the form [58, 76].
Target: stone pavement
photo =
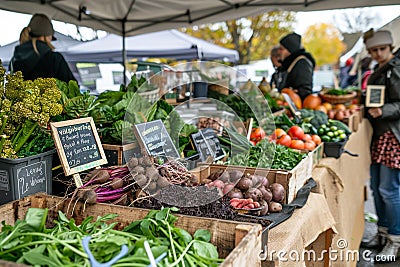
[369, 232]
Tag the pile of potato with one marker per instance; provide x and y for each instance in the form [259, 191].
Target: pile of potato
[247, 191]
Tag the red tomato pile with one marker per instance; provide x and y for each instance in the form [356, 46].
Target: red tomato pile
[296, 138]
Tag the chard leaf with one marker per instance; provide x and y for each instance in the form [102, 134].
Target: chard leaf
[202, 235]
[36, 218]
[206, 250]
[36, 257]
[183, 235]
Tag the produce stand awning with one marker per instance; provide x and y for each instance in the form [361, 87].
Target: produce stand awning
[164, 44]
[131, 17]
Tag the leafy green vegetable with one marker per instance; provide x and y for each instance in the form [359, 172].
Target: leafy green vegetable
[29, 242]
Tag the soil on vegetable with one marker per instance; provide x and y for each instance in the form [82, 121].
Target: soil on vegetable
[219, 209]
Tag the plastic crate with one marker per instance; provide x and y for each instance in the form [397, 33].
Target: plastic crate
[25, 176]
[334, 149]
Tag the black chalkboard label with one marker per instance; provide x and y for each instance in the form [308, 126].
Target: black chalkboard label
[207, 144]
[32, 179]
[4, 181]
[375, 96]
[155, 138]
[78, 145]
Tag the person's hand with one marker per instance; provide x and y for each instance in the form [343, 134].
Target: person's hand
[375, 112]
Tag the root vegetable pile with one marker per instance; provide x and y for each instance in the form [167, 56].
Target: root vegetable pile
[111, 185]
[249, 191]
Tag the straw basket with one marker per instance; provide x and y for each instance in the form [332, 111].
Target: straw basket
[151, 96]
[338, 99]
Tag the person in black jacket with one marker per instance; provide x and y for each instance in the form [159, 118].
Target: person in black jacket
[35, 57]
[297, 66]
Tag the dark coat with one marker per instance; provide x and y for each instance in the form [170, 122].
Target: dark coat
[46, 64]
[300, 77]
[388, 75]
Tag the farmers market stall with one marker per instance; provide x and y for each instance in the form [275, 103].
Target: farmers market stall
[310, 228]
[259, 177]
[342, 182]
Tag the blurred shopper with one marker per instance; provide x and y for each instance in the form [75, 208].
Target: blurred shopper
[385, 147]
[276, 77]
[345, 79]
[297, 66]
[365, 71]
[35, 57]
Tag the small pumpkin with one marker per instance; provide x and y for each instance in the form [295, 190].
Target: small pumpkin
[295, 97]
[312, 102]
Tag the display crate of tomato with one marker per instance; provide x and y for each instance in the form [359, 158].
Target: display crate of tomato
[238, 244]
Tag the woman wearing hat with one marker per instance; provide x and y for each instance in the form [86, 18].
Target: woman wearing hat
[35, 57]
[297, 66]
[385, 146]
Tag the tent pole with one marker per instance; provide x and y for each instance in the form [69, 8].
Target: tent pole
[124, 51]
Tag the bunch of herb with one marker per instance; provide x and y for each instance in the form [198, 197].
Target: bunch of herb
[30, 242]
[268, 155]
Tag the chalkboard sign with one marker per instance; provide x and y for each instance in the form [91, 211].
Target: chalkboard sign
[154, 137]
[375, 96]
[207, 144]
[32, 179]
[78, 145]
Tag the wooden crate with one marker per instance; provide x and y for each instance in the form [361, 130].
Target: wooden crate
[317, 154]
[115, 153]
[354, 121]
[238, 243]
[292, 180]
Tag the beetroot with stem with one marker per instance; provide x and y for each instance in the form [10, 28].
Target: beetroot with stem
[117, 183]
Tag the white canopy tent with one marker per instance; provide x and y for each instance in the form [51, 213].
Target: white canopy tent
[163, 44]
[359, 49]
[131, 17]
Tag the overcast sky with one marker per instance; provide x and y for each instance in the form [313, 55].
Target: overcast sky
[12, 23]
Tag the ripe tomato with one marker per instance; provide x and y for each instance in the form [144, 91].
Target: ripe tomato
[296, 132]
[257, 134]
[297, 144]
[279, 132]
[316, 139]
[309, 145]
[285, 140]
[307, 137]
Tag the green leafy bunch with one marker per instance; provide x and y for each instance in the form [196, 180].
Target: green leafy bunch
[26, 107]
[29, 241]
